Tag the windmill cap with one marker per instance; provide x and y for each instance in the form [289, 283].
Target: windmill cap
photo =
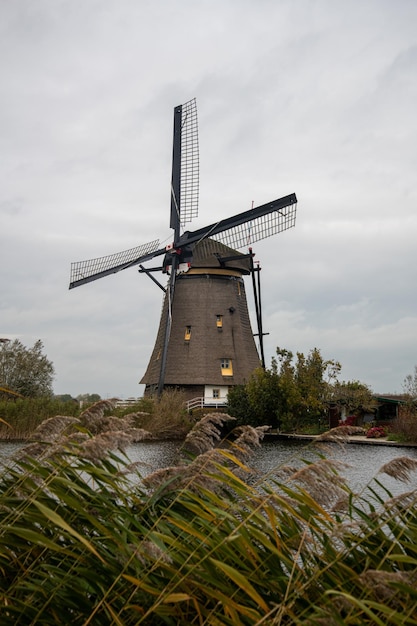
[210, 253]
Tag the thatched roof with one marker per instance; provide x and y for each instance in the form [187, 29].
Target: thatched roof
[208, 254]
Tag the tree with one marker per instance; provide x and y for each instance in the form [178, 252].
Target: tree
[291, 394]
[406, 423]
[263, 397]
[410, 384]
[25, 370]
[303, 387]
[65, 397]
[238, 406]
[87, 398]
[354, 396]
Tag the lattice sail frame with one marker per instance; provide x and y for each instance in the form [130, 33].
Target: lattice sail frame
[190, 163]
[239, 231]
[81, 270]
[258, 229]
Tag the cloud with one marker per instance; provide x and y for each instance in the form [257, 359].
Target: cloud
[313, 98]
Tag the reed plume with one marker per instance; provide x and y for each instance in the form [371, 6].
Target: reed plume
[202, 472]
[92, 436]
[386, 586]
[399, 468]
[99, 446]
[340, 434]
[402, 502]
[247, 439]
[53, 428]
[322, 480]
[82, 543]
[195, 475]
[206, 433]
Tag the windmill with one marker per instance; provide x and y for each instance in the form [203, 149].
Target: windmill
[204, 342]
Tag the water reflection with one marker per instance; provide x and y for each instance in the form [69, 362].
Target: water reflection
[362, 461]
[153, 455]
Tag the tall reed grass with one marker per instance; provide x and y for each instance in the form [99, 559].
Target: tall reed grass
[84, 540]
[19, 418]
[166, 417]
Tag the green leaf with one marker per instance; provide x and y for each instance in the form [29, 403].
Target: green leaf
[242, 582]
[176, 597]
[37, 538]
[53, 517]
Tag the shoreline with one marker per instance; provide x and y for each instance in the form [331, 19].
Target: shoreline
[354, 439]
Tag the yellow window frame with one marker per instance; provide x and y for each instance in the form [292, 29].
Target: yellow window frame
[226, 367]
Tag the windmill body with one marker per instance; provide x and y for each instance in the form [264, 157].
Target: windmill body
[205, 342]
[211, 345]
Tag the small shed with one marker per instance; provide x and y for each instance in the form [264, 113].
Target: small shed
[389, 407]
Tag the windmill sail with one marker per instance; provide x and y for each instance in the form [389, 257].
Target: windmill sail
[83, 272]
[259, 223]
[259, 228]
[184, 201]
[185, 166]
[204, 341]
[190, 163]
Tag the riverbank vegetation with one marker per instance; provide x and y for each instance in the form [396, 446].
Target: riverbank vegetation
[404, 428]
[20, 417]
[295, 393]
[165, 417]
[85, 539]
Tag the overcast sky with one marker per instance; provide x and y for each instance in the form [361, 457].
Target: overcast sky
[316, 97]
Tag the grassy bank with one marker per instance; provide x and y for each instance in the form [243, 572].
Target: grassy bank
[19, 418]
[165, 417]
[84, 540]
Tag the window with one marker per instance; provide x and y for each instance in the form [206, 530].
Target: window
[226, 367]
[187, 335]
[216, 393]
[219, 321]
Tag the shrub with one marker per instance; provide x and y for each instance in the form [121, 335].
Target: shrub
[376, 432]
[165, 417]
[351, 420]
[405, 426]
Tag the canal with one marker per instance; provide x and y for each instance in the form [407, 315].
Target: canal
[362, 462]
